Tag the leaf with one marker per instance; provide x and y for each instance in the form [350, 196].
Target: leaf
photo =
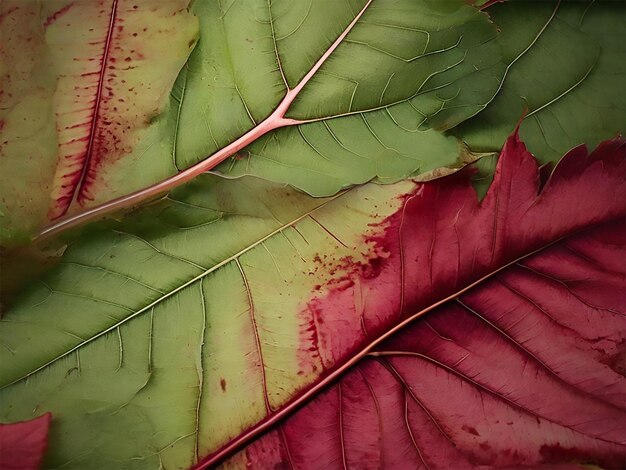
[187, 340]
[22, 445]
[27, 129]
[525, 370]
[116, 63]
[580, 46]
[318, 94]
[85, 81]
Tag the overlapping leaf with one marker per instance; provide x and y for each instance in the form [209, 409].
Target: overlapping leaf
[22, 445]
[82, 84]
[526, 370]
[197, 323]
[565, 69]
[389, 67]
[182, 337]
[364, 112]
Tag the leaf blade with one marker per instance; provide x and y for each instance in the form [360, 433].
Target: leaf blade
[518, 383]
[276, 303]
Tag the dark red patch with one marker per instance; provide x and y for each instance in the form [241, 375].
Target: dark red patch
[223, 384]
[470, 430]
[617, 360]
[558, 454]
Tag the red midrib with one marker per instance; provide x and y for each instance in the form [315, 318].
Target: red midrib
[79, 187]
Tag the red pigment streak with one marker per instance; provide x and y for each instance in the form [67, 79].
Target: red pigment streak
[330, 336]
[490, 3]
[470, 430]
[56, 15]
[79, 183]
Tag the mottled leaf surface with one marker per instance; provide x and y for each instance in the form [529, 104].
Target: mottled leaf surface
[525, 370]
[27, 125]
[85, 85]
[532, 331]
[186, 339]
[116, 62]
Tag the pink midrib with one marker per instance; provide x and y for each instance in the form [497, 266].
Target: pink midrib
[273, 121]
[79, 187]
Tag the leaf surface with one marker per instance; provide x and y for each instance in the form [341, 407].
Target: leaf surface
[83, 86]
[188, 341]
[525, 370]
[116, 62]
[565, 69]
[317, 94]
[27, 128]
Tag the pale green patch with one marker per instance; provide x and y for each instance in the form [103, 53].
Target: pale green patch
[166, 336]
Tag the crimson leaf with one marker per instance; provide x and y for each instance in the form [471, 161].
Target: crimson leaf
[521, 365]
[22, 445]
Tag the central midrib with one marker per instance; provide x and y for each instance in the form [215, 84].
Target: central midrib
[169, 294]
[79, 188]
[310, 392]
[274, 121]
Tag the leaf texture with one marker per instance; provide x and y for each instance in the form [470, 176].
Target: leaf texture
[27, 128]
[458, 242]
[320, 105]
[216, 337]
[580, 46]
[526, 370]
[83, 86]
[116, 62]
[362, 110]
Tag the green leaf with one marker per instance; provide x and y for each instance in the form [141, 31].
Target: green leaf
[405, 66]
[27, 129]
[566, 69]
[318, 94]
[144, 325]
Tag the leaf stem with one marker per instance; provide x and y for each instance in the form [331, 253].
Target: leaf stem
[273, 121]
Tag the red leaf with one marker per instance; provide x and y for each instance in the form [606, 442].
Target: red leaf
[23, 444]
[518, 371]
[520, 360]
